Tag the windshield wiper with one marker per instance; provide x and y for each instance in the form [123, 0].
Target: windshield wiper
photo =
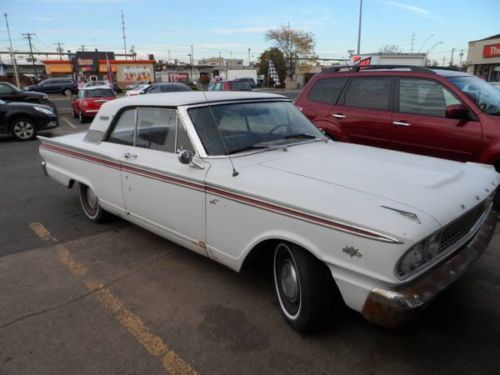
[247, 148]
[300, 135]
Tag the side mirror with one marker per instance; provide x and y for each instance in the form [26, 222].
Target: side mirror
[457, 111]
[186, 157]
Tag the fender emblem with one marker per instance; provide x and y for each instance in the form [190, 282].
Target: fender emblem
[352, 251]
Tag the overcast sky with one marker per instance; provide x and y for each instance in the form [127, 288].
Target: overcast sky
[232, 27]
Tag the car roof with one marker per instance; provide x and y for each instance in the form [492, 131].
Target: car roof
[174, 99]
[451, 73]
[97, 87]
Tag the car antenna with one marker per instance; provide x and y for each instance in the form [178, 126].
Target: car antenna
[235, 172]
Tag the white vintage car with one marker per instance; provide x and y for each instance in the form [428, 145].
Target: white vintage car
[239, 176]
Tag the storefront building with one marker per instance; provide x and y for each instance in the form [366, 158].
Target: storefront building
[483, 58]
[93, 66]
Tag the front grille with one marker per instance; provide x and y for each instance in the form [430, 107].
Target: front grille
[457, 229]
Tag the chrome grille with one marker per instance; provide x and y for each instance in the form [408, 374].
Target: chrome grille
[457, 229]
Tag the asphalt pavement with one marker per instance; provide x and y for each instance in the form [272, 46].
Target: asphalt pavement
[83, 298]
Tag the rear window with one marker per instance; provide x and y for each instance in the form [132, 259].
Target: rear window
[240, 86]
[327, 90]
[369, 93]
[98, 93]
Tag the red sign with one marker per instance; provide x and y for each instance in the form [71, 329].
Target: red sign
[491, 50]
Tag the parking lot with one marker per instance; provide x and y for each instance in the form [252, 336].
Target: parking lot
[78, 297]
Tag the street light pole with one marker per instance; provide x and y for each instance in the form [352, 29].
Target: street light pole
[12, 58]
[359, 25]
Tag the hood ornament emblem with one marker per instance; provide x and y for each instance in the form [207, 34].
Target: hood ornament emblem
[407, 214]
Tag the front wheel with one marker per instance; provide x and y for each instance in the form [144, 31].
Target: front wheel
[302, 285]
[23, 129]
[90, 204]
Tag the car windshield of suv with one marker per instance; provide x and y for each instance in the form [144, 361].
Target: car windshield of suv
[483, 94]
[98, 93]
[232, 128]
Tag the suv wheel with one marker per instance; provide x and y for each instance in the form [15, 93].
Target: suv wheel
[23, 129]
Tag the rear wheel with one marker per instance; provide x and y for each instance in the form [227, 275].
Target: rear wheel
[23, 129]
[90, 204]
[81, 117]
[302, 286]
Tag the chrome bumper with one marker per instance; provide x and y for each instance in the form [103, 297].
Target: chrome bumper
[391, 308]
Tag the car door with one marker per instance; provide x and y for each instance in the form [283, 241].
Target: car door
[364, 111]
[318, 105]
[160, 192]
[419, 124]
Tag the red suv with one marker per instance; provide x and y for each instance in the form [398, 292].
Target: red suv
[442, 113]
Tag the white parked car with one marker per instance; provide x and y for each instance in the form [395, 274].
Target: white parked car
[97, 84]
[240, 176]
[140, 89]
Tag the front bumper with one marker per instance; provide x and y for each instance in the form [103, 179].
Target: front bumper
[392, 307]
[50, 122]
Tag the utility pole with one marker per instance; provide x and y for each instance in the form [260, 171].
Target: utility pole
[444, 60]
[452, 53]
[412, 41]
[12, 58]
[83, 47]
[29, 36]
[59, 49]
[359, 26]
[461, 54]
[124, 37]
[249, 57]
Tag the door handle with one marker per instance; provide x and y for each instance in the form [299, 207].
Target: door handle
[130, 156]
[401, 123]
[340, 116]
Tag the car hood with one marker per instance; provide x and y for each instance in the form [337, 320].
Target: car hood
[440, 188]
[34, 94]
[30, 105]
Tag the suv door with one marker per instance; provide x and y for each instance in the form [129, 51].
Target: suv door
[364, 111]
[420, 124]
[318, 105]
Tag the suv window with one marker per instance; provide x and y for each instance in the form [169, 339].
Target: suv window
[370, 93]
[424, 97]
[123, 132]
[327, 90]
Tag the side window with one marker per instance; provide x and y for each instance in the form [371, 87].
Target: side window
[424, 97]
[156, 129]
[183, 142]
[327, 90]
[370, 93]
[123, 132]
[6, 89]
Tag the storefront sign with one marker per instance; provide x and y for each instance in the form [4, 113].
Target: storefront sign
[491, 50]
[133, 74]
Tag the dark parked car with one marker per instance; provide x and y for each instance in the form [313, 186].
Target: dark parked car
[64, 86]
[11, 93]
[249, 80]
[230, 86]
[25, 120]
[435, 112]
[167, 87]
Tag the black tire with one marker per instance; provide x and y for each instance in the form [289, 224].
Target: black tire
[75, 115]
[306, 303]
[23, 129]
[67, 92]
[90, 204]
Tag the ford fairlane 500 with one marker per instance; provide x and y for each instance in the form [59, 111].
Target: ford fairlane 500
[237, 176]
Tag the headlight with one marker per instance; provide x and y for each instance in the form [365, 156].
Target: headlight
[419, 255]
[44, 110]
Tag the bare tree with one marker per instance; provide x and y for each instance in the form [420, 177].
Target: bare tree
[390, 48]
[293, 43]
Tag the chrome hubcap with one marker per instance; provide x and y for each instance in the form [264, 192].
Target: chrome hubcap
[23, 129]
[91, 198]
[288, 279]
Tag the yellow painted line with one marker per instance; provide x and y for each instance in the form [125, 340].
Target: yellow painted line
[155, 345]
[69, 123]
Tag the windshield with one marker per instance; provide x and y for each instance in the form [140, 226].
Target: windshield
[232, 128]
[482, 93]
[98, 93]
